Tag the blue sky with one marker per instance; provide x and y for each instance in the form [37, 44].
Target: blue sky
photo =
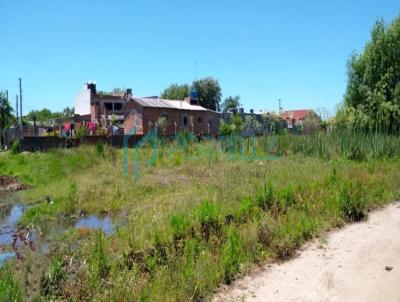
[260, 50]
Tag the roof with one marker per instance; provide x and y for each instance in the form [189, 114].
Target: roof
[295, 114]
[171, 104]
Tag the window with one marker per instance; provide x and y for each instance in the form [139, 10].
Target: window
[185, 121]
[109, 106]
[199, 120]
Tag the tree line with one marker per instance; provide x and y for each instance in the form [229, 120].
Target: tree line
[372, 98]
[208, 91]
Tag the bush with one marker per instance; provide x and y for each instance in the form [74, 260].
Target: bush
[353, 201]
[15, 146]
[225, 129]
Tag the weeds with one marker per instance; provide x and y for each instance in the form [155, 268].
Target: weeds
[180, 226]
[10, 289]
[53, 280]
[209, 218]
[231, 256]
[265, 199]
[182, 236]
[98, 262]
[354, 201]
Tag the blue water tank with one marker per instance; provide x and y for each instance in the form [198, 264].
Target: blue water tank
[193, 93]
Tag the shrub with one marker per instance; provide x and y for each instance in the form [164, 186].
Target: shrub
[15, 146]
[264, 233]
[353, 201]
[225, 129]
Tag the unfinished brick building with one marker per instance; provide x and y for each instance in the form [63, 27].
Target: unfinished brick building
[139, 115]
[144, 114]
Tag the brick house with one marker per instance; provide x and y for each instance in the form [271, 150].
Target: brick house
[139, 115]
[99, 107]
[296, 118]
[144, 114]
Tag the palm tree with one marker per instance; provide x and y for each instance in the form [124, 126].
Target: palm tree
[5, 115]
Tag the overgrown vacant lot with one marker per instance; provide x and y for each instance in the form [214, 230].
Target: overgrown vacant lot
[189, 215]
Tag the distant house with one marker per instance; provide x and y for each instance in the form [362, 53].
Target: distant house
[144, 114]
[295, 118]
[140, 114]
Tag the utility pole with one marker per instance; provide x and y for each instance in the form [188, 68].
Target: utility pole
[20, 106]
[280, 107]
[16, 108]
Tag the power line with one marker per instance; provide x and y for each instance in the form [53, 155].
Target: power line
[49, 70]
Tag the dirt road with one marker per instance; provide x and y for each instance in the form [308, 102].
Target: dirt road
[360, 262]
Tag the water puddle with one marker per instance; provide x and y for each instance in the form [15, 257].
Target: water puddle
[104, 224]
[9, 216]
[5, 256]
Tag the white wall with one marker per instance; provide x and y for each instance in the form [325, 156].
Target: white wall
[82, 102]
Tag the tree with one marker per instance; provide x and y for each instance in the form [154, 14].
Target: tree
[231, 103]
[252, 127]
[176, 92]
[235, 125]
[312, 122]
[373, 89]
[67, 112]
[5, 115]
[209, 93]
[42, 116]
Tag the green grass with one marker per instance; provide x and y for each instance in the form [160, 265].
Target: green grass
[199, 215]
[10, 289]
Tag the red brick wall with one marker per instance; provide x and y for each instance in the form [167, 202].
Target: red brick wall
[145, 118]
[197, 121]
[134, 120]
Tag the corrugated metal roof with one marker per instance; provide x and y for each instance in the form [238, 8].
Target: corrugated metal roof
[172, 104]
[156, 103]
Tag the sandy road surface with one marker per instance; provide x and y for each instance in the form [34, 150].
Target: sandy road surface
[360, 262]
